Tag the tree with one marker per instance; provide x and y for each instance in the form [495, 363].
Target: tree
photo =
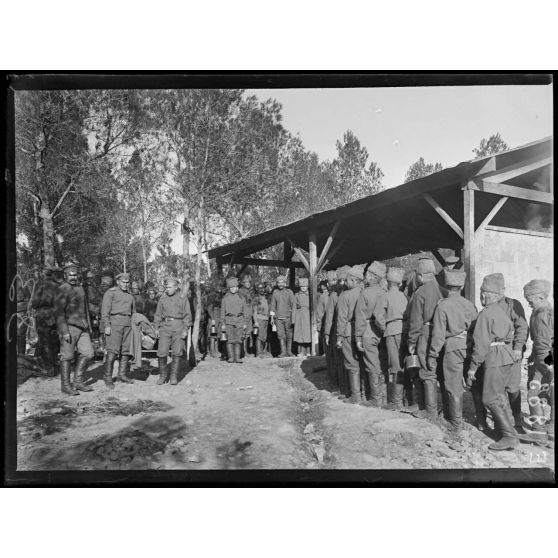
[494, 144]
[420, 169]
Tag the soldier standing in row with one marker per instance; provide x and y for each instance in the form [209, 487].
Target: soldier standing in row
[44, 303]
[106, 284]
[301, 318]
[450, 329]
[246, 292]
[421, 312]
[323, 297]
[260, 309]
[369, 329]
[281, 312]
[492, 344]
[213, 310]
[540, 375]
[150, 305]
[345, 330]
[73, 329]
[116, 315]
[235, 316]
[94, 300]
[138, 298]
[172, 320]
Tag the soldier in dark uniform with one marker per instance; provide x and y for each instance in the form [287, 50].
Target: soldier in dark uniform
[44, 304]
[345, 331]
[73, 328]
[106, 283]
[452, 321]
[421, 312]
[260, 309]
[492, 345]
[172, 321]
[281, 311]
[235, 317]
[94, 300]
[412, 282]
[246, 291]
[213, 310]
[370, 324]
[116, 315]
[540, 374]
[268, 293]
[138, 297]
[323, 297]
[150, 305]
[451, 262]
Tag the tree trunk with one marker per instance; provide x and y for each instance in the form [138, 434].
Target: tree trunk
[144, 255]
[197, 318]
[48, 236]
[186, 248]
[205, 246]
[124, 261]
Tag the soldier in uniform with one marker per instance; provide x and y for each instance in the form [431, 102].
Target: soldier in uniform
[345, 330]
[395, 312]
[540, 375]
[323, 297]
[260, 309]
[281, 311]
[138, 297]
[370, 324]
[451, 325]
[235, 316]
[302, 328]
[94, 299]
[213, 317]
[247, 293]
[106, 283]
[72, 321]
[150, 305]
[421, 312]
[116, 315]
[44, 303]
[492, 344]
[268, 292]
[172, 320]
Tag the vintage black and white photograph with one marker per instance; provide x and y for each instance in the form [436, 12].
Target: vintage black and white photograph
[292, 276]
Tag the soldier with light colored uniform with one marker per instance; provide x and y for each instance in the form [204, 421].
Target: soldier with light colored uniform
[260, 308]
[302, 328]
[281, 311]
[235, 317]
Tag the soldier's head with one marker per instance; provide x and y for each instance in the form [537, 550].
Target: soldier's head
[71, 274]
[90, 277]
[454, 280]
[323, 286]
[452, 262]
[135, 288]
[281, 282]
[123, 281]
[375, 273]
[331, 277]
[151, 293]
[268, 287]
[246, 281]
[536, 292]
[303, 284]
[171, 285]
[394, 277]
[425, 271]
[492, 288]
[355, 276]
[160, 289]
[342, 276]
[260, 288]
[232, 284]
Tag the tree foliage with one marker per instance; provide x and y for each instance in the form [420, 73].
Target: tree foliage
[420, 168]
[494, 144]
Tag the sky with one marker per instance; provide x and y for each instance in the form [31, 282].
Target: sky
[399, 125]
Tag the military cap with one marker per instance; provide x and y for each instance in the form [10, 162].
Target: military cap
[123, 277]
[395, 274]
[537, 286]
[426, 265]
[171, 279]
[342, 272]
[260, 286]
[454, 278]
[331, 275]
[452, 260]
[356, 272]
[90, 274]
[232, 282]
[303, 281]
[71, 266]
[281, 279]
[377, 268]
[52, 267]
[493, 283]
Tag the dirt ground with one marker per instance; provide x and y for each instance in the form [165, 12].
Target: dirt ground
[262, 414]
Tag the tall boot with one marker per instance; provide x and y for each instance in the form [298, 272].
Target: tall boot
[515, 405]
[396, 395]
[230, 353]
[163, 371]
[375, 391]
[480, 409]
[109, 365]
[289, 346]
[418, 393]
[65, 371]
[257, 348]
[175, 365]
[455, 411]
[430, 411]
[81, 367]
[283, 345]
[509, 439]
[212, 351]
[354, 382]
[237, 347]
[245, 346]
[123, 368]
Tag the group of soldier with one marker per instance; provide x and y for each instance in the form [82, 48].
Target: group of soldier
[424, 333]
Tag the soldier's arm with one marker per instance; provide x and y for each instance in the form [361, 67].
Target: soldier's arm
[223, 311]
[187, 320]
[105, 308]
[158, 317]
[542, 338]
[520, 326]
[273, 307]
[379, 311]
[60, 307]
[360, 316]
[416, 322]
[438, 332]
[342, 316]
[481, 341]
[328, 322]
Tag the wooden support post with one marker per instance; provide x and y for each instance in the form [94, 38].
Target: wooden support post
[443, 214]
[469, 251]
[219, 263]
[491, 215]
[327, 246]
[300, 255]
[287, 258]
[329, 256]
[313, 282]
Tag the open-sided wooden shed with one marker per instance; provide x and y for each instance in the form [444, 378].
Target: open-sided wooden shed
[495, 211]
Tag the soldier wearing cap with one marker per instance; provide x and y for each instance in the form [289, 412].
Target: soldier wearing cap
[235, 317]
[412, 283]
[138, 297]
[116, 314]
[323, 297]
[540, 375]
[150, 304]
[281, 311]
[44, 303]
[346, 330]
[452, 321]
[246, 291]
[172, 320]
[213, 309]
[301, 318]
[370, 324]
[260, 309]
[450, 264]
[492, 344]
[94, 299]
[395, 310]
[73, 328]
[421, 313]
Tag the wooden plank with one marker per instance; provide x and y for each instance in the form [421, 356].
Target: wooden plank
[242, 269]
[443, 214]
[491, 214]
[438, 256]
[313, 284]
[519, 231]
[510, 191]
[300, 255]
[518, 169]
[288, 256]
[469, 242]
[330, 255]
[269, 263]
[328, 243]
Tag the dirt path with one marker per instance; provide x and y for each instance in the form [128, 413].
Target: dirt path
[265, 413]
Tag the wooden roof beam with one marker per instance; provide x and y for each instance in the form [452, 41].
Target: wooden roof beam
[328, 243]
[510, 191]
[300, 254]
[518, 169]
[443, 214]
[491, 215]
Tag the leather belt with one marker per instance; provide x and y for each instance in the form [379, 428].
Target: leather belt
[461, 335]
[170, 319]
[127, 315]
[498, 343]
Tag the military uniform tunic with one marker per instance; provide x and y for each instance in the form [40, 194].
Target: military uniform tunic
[396, 304]
[172, 320]
[330, 323]
[542, 334]
[260, 308]
[235, 316]
[149, 308]
[301, 318]
[44, 303]
[71, 319]
[282, 303]
[116, 312]
[345, 329]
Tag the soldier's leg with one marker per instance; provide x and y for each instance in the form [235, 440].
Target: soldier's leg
[514, 395]
[124, 365]
[351, 361]
[372, 366]
[453, 365]
[430, 383]
[396, 377]
[163, 348]
[67, 354]
[231, 335]
[86, 354]
[113, 343]
[177, 347]
[282, 336]
[476, 394]
[289, 331]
